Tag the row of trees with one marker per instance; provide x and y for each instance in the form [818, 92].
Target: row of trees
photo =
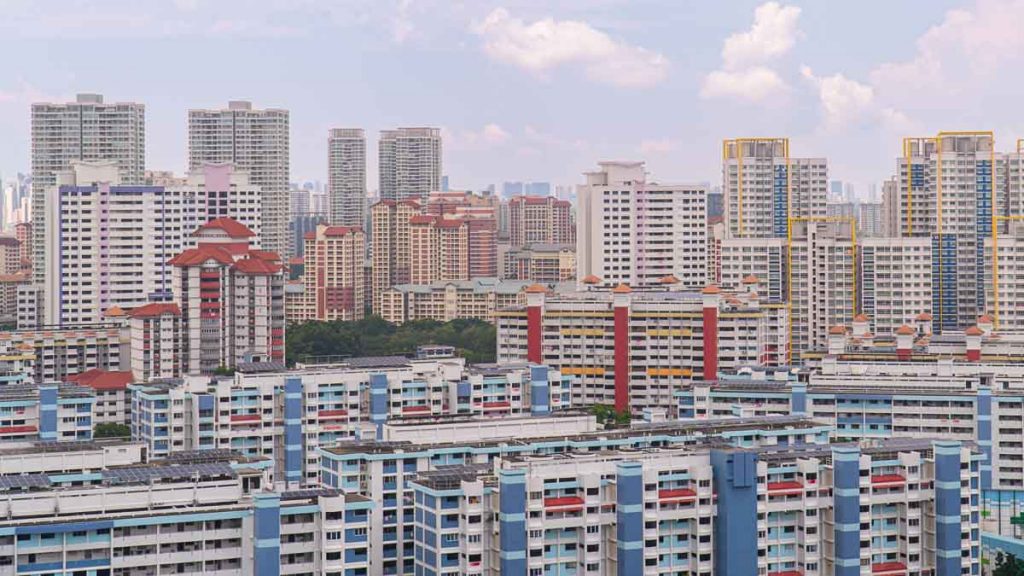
[476, 340]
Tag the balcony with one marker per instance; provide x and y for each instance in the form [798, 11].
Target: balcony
[787, 487]
[563, 504]
[889, 568]
[677, 495]
[887, 480]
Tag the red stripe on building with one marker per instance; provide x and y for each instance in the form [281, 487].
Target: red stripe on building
[534, 333]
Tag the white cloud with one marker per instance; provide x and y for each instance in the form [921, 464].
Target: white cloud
[489, 136]
[846, 102]
[772, 35]
[745, 74]
[402, 26]
[547, 44]
[659, 146]
[969, 43]
[753, 84]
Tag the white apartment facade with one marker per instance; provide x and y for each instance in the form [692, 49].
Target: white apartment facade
[346, 176]
[633, 232]
[89, 130]
[895, 281]
[107, 245]
[256, 141]
[409, 163]
[763, 187]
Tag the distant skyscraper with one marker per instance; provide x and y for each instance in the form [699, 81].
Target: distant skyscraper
[836, 190]
[444, 183]
[638, 233]
[409, 163]
[346, 176]
[716, 204]
[764, 187]
[538, 189]
[300, 198]
[540, 220]
[510, 189]
[256, 141]
[89, 130]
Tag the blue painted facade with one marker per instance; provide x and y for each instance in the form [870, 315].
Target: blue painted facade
[48, 412]
[379, 402]
[267, 535]
[947, 508]
[512, 519]
[735, 533]
[540, 391]
[629, 518]
[293, 429]
[846, 511]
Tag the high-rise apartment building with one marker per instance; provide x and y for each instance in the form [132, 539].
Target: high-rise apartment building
[947, 191]
[107, 245]
[231, 299]
[895, 281]
[332, 275]
[346, 176]
[409, 163]
[764, 187]
[390, 225]
[256, 141]
[90, 130]
[536, 219]
[821, 281]
[636, 232]
[480, 215]
[890, 208]
[870, 217]
[438, 249]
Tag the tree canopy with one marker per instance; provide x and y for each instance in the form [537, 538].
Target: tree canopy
[475, 340]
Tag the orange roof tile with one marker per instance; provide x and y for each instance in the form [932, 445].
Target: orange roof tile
[711, 289]
[924, 317]
[905, 331]
[837, 329]
[974, 331]
[233, 228]
[154, 309]
[591, 279]
[621, 289]
[103, 379]
[535, 289]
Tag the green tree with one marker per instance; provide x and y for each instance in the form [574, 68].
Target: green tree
[1008, 565]
[608, 416]
[474, 340]
[112, 430]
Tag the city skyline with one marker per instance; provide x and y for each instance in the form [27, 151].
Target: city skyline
[515, 87]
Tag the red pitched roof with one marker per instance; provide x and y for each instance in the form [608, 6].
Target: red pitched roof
[905, 331]
[256, 266]
[973, 331]
[422, 219]
[229, 226]
[335, 231]
[197, 256]
[267, 255]
[442, 223]
[103, 379]
[155, 309]
[621, 289]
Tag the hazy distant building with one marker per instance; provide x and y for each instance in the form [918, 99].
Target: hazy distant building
[87, 129]
[409, 163]
[256, 141]
[346, 176]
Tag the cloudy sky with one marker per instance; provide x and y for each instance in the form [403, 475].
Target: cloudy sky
[534, 89]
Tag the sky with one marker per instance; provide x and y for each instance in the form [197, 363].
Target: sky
[535, 90]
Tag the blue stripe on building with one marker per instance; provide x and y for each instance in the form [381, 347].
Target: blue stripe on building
[735, 532]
